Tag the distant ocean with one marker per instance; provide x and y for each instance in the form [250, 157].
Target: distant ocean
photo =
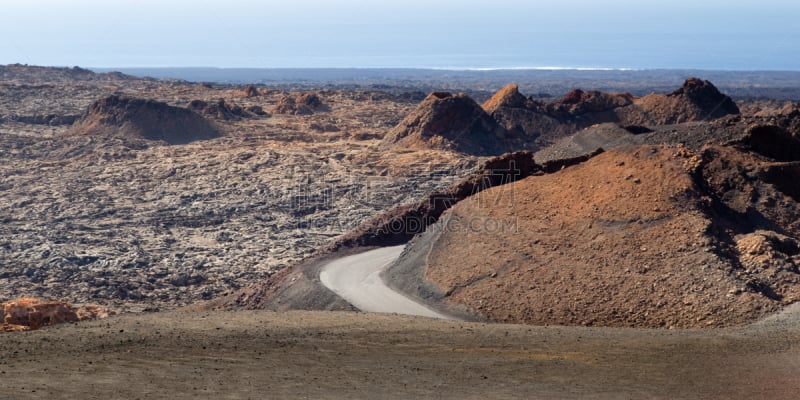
[635, 53]
[598, 52]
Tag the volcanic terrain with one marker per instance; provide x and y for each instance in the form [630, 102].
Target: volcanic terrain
[163, 193]
[618, 208]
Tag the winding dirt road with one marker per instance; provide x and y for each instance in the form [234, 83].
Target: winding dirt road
[357, 279]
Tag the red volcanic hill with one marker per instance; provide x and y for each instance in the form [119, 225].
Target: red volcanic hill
[649, 236]
[449, 122]
[143, 119]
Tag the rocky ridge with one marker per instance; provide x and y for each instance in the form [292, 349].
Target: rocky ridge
[447, 122]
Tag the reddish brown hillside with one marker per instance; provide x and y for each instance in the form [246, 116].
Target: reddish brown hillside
[653, 236]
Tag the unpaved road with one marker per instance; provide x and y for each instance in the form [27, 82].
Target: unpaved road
[357, 279]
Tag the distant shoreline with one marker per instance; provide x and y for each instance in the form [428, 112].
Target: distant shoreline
[540, 81]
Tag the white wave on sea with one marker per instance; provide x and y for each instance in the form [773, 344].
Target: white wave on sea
[543, 68]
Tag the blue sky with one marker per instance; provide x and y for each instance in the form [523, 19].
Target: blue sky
[752, 35]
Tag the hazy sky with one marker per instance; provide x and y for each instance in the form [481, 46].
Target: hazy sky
[412, 33]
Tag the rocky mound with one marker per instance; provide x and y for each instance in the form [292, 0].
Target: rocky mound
[652, 236]
[143, 119]
[696, 100]
[449, 122]
[32, 313]
[301, 104]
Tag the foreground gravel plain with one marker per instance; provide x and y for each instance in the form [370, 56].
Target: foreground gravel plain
[338, 355]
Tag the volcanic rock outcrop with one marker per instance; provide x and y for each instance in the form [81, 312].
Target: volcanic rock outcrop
[301, 104]
[32, 313]
[449, 122]
[651, 236]
[132, 118]
[223, 111]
